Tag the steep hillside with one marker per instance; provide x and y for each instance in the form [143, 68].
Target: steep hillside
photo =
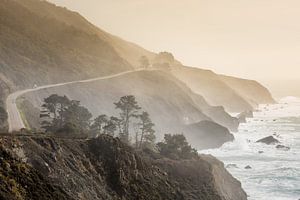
[105, 168]
[19, 181]
[42, 43]
[127, 50]
[250, 90]
[37, 49]
[212, 88]
[160, 94]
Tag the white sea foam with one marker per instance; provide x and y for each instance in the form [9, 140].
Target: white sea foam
[275, 174]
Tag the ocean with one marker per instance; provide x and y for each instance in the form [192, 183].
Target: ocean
[273, 174]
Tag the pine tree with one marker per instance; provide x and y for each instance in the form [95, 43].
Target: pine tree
[99, 123]
[129, 109]
[147, 131]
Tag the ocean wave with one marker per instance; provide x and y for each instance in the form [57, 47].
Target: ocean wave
[274, 173]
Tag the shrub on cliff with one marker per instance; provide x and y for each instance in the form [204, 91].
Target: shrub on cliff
[176, 147]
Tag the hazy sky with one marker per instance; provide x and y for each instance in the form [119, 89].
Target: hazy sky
[257, 39]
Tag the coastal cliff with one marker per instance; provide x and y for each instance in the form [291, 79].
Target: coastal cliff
[105, 168]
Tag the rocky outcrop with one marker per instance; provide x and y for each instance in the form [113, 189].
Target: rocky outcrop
[248, 167]
[19, 181]
[268, 140]
[282, 147]
[207, 134]
[252, 91]
[193, 176]
[105, 168]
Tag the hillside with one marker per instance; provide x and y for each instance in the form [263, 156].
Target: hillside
[165, 98]
[21, 181]
[212, 88]
[42, 43]
[252, 91]
[37, 49]
[127, 50]
[105, 168]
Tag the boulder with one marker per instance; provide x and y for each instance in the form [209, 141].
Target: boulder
[268, 140]
[248, 167]
[231, 166]
[282, 147]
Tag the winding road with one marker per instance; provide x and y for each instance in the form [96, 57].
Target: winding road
[15, 121]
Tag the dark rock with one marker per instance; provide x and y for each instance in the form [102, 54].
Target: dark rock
[260, 152]
[248, 167]
[207, 134]
[25, 182]
[194, 176]
[268, 140]
[282, 147]
[231, 166]
[216, 113]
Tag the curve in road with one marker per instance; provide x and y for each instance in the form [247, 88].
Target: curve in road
[15, 121]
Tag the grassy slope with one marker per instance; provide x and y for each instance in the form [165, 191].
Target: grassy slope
[39, 49]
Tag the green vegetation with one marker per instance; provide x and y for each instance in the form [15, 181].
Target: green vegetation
[129, 109]
[176, 147]
[65, 116]
[61, 114]
[147, 132]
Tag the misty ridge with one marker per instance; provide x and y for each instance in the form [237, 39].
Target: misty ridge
[85, 114]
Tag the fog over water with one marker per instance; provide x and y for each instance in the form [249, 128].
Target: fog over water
[275, 173]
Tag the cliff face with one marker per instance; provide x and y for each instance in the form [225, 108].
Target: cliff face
[250, 90]
[235, 94]
[212, 88]
[104, 168]
[19, 180]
